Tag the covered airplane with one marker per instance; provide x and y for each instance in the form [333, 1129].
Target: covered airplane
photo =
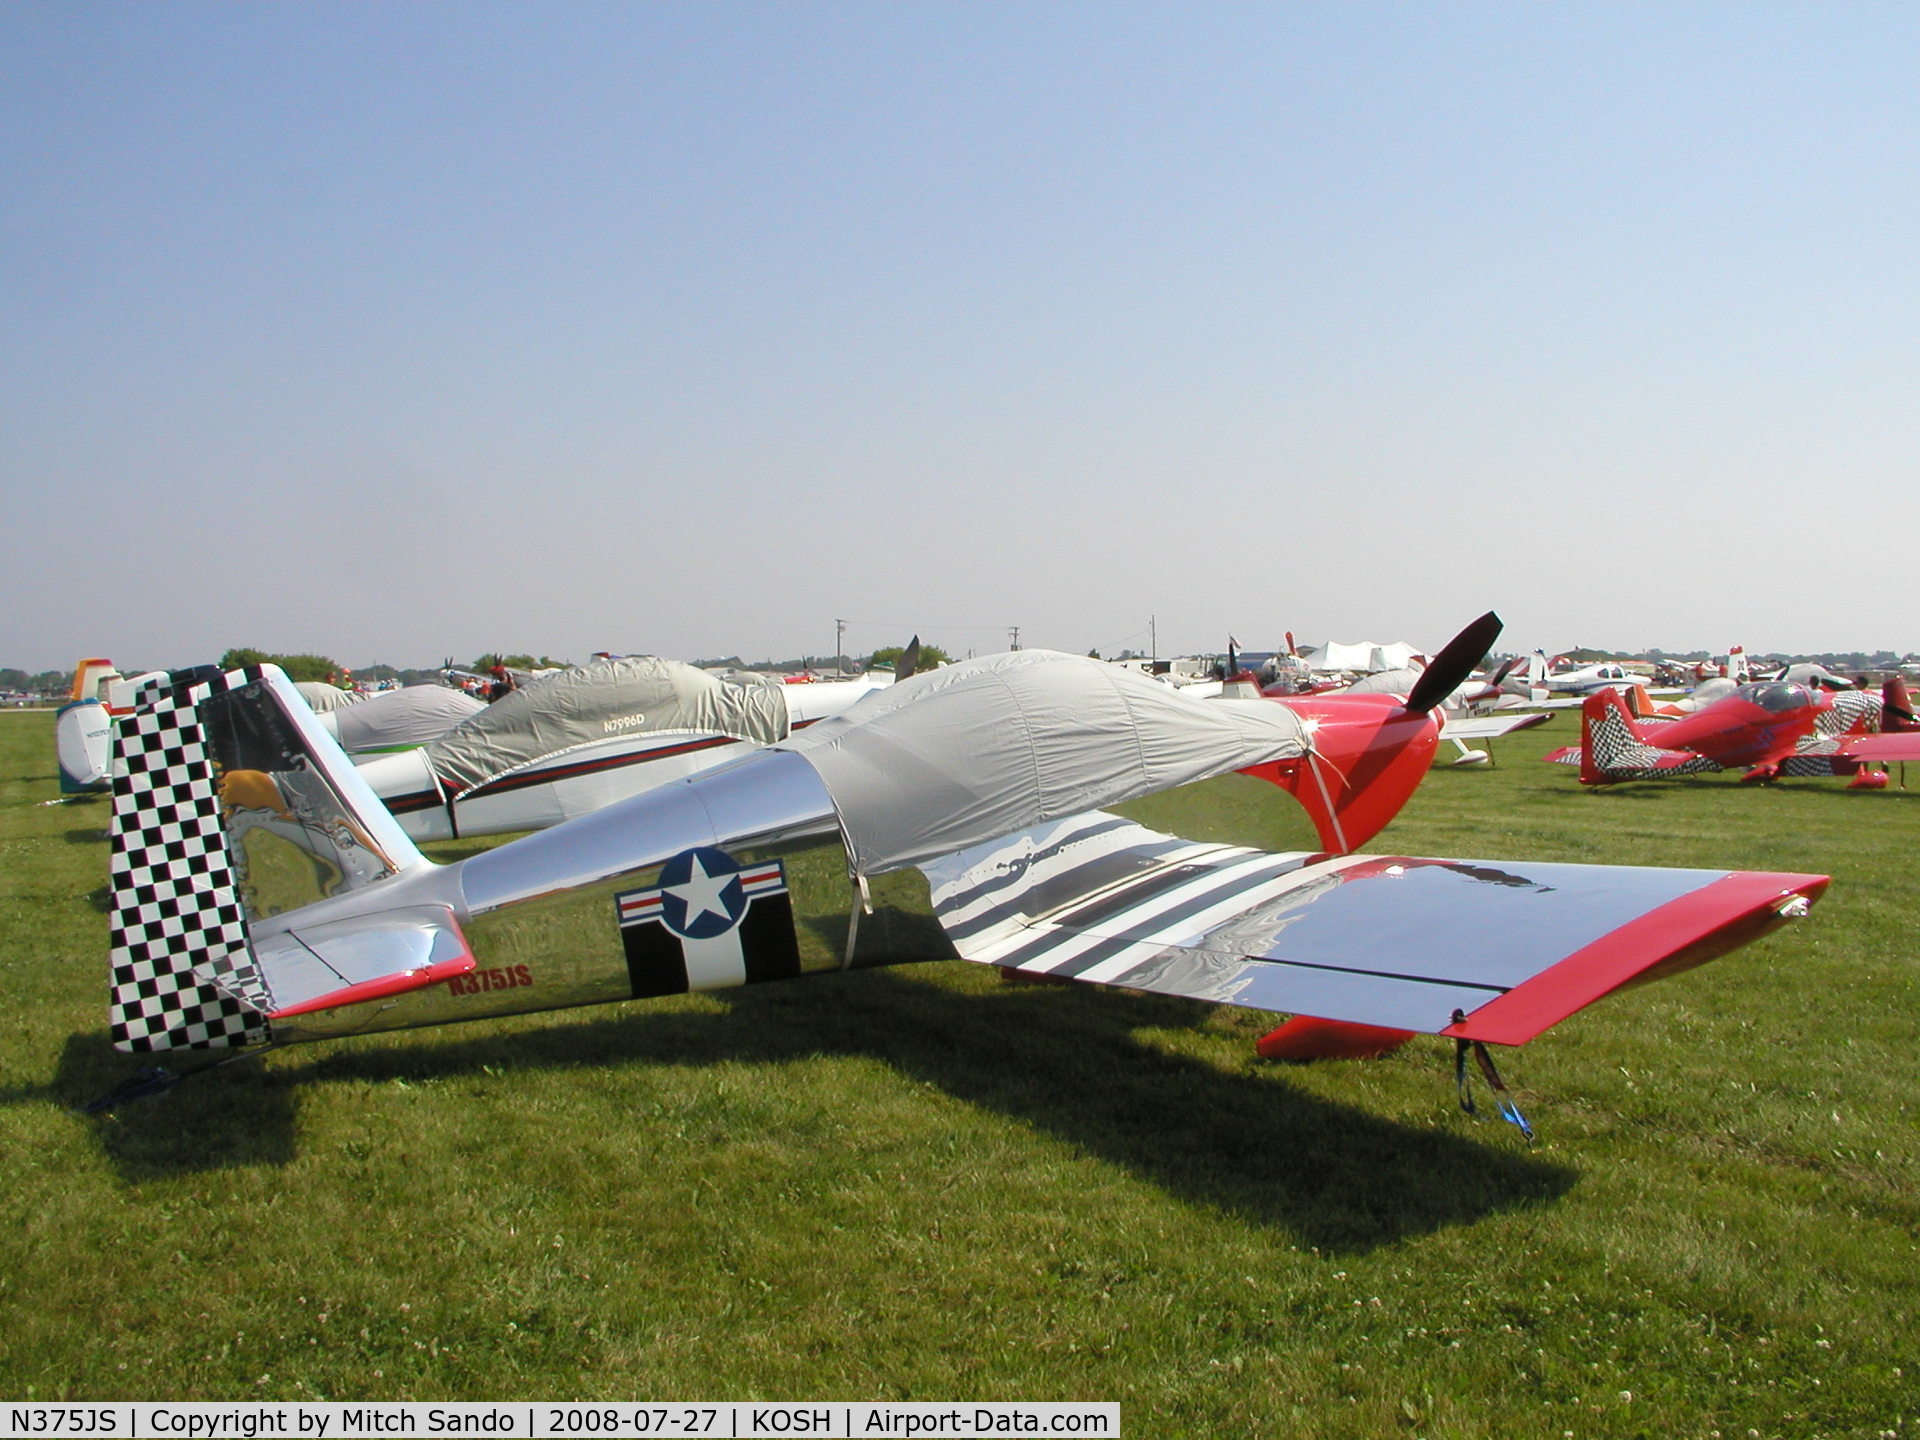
[580, 739]
[1769, 728]
[389, 720]
[237, 925]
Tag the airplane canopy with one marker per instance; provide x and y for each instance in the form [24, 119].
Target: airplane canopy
[977, 750]
[601, 701]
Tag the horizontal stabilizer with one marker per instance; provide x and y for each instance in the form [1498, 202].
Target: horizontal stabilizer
[1396, 941]
[350, 961]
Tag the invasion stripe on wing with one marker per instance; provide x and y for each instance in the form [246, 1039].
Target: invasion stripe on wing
[1159, 915]
[1077, 872]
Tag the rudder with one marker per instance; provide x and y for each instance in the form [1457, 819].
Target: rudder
[231, 805]
[182, 973]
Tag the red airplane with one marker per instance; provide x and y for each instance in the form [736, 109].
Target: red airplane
[1771, 728]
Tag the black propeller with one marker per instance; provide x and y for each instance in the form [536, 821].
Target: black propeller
[1450, 668]
[1507, 667]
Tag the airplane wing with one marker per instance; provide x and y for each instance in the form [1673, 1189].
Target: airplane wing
[1558, 702]
[1889, 746]
[1475, 949]
[1489, 727]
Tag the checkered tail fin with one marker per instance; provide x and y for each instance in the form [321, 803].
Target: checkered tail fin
[230, 805]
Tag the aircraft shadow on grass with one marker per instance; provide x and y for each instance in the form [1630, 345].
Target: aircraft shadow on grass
[1062, 1059]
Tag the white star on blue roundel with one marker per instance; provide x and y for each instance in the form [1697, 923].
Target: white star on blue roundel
[700, 893]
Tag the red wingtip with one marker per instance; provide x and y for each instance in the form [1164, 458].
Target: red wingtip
[1307, 1037]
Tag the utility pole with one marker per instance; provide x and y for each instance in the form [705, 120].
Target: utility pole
[1153, 637]
[1014, 630]
[839, 650]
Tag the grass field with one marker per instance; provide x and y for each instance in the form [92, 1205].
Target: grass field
[919, 1183]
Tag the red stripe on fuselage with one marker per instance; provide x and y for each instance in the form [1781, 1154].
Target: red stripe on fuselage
[520, 780]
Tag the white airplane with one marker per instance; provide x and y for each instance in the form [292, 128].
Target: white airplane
[364, 725]
[83, 727]
[581, 739]
[1584, 680]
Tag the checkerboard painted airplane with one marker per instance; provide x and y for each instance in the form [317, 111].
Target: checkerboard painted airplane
[237, 926]
[1769, 728]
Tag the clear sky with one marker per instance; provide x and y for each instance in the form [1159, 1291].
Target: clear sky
[404, 330]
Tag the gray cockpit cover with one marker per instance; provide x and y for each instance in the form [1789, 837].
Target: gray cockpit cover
[323, 697]
[396, 719]
[638, 695]
[965, 754]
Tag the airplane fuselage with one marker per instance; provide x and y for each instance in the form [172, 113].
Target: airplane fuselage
[1759, 724]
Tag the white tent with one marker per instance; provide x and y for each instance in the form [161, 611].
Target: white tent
[1364, 656]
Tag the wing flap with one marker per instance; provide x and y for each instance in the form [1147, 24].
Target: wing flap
[1397, 941]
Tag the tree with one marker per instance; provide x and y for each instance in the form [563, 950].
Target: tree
[930, 656]
[518, 662]
[298, 667]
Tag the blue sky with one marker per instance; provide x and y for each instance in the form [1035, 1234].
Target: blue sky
[400, 331]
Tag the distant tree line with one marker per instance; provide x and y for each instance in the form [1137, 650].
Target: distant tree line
[930, 656]
[47, 682]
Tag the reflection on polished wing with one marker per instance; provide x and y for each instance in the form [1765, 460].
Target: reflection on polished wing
[1378, 940]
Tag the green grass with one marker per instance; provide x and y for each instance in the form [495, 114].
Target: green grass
[920, 1183]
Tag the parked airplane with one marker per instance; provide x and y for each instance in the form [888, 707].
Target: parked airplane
[365, 726]
[83, 727]
[1770, 728]
[1585, 679]
[392, 720]
[237, 925]
[83, 731]
[580, 739]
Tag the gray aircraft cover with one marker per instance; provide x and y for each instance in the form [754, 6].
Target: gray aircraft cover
[974, 751]
[398, 719]
[323, 697]
[637, 695]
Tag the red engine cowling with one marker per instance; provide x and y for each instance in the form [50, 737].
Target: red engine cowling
[1369, 753]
